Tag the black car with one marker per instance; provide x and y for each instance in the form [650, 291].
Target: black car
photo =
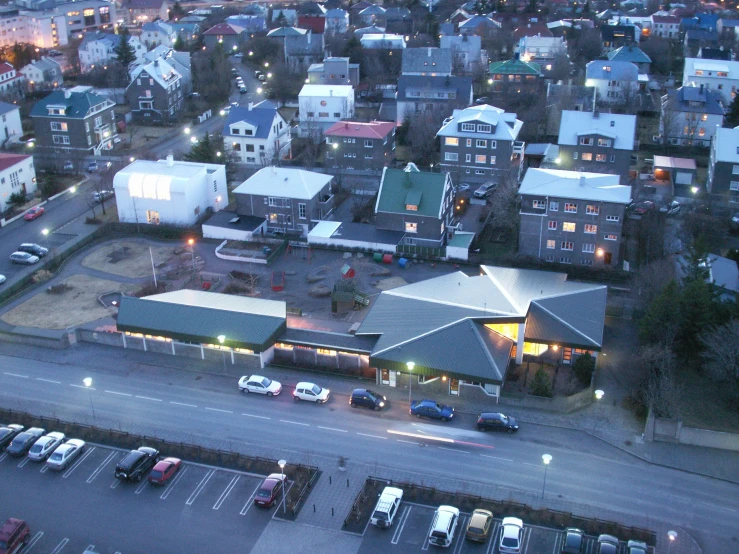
[573, 541]
[367, 399]
[8, 433]
[489, 421]
[136, 464]
[24, 441]
[34, 249]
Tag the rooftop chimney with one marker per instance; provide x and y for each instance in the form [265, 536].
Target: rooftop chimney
[67, 93]
[170, 160]
[331, 92]
[429, 54]
[582, 180]
[251, 106]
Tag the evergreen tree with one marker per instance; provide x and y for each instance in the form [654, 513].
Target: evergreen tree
[731, 119]
[125, 55]
[206, 151]
[661, 320]
[353, 50]
[179, 44]
[177, 11]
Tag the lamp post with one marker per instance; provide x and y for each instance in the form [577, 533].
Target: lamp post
[672, 535]
[546, 458]
[282, 464]
[222, 339]
[87, 381]
[191, 242]
[598, 395]
[410, 365]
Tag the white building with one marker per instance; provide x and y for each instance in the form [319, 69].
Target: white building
[17, 175]
[168, 191]
[99, 48]
[385, 41]
[10, 126]
[466, 50]
[155, 33]
[256, 134]
[321, 106]
[42, 29]
[615, 81]
[44, 73]
[718, 75]
[541, 49]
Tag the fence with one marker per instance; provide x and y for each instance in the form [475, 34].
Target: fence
[662, 429]
[423, 252]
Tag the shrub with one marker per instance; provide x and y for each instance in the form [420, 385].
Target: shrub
[583, 367]
[540, 384]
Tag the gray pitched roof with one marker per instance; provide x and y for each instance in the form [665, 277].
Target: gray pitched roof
[5, 107]
[462, 85]
[304, 44]
[695, 99]
[611, 70]
[262, 116]
[428, 60]
[324, 339]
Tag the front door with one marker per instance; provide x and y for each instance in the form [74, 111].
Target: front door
[607, 258]
[152, 217]
[393, 378]
[384, 377]
[454, 387]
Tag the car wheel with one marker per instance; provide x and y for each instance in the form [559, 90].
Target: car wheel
[245, 390]
[321, 401]
[353, 404]
[269, 393]
[418, 416]
[296, 398]
[509, 431]
[444, 419]
[377, 408]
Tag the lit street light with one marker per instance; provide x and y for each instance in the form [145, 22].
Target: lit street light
[672, 535]
[598, 395]
[222, 339]
[191, 242]
[87, 381]
[282, 464]
[410, 365]
[546, 458]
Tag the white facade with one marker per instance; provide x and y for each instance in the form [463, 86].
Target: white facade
[386, 41]
[17, 174]
[717, 75]
[168, 191]
[41, 29]
[10, 124]
[96, 52]
[156, 33]
[538, 49]
[256, 140]
[323, 105]
[466, 51]
[37, 72]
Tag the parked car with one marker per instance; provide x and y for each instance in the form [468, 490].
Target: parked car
[33, 213]
[2, 279]
[23, 258]
[492, 421]
[136, 464]
[636, 547]
[387, 507]
[462, 187]
[641, 207]
[482, 100]
[607, 544]
[34, 249]
[485, 190]
[164, 471]
[270, 490]
[44, 446]
[8, 433]
[367, 399]
[65, 454]
[431, 409]
[479, 525]
[573, 541]
[511, 535]
[257, 73]
[673, 208]
[310, 392]
[260, 385]
[92, 167]
[14, 535]
[734, 222]
[23, 441]
[68, 166]
[102, 195]
[444, 526]
[242, 90]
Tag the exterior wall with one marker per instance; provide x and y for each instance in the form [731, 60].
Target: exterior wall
[39, 29]
[350, 244]
[10, 126]
[345, 363]
[470, 170]
[142, 15]
[354, 155]
[19, 178]
[612, 92]
[720, 178]
[616, 161]
[97, 52]
[284, 214]
[324, 110]
[257, 151]
[80, 132]
[684, 130]
[227, 42]
[160, 105]
[445, 107]
[88, 16]
[725, 86]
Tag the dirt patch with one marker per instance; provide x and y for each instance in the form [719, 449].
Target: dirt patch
[143, 136]
[78, 304]
[390, 283]
[128, 259]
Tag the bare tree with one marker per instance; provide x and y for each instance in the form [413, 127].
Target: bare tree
[503, 199]
[721, 353]
[422, 129]
[662, 391]
[652, 279]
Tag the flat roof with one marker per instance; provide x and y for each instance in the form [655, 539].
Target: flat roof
[674, 163]
[355, 231]
[231, 220]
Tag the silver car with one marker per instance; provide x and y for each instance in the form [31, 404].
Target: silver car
[65, 453]
[23, 258]
[43, 447]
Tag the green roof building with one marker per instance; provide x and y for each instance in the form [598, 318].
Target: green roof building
[514, 72]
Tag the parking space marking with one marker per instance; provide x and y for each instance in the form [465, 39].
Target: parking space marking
[373, 436]
[426, 539]
[4, 455]
[257, 416]
[460, 537]
[496, 458]
[60, 546]
[48, 381]
[454, 450]
[23, 463]
[143, 484]
[226, 492]
[295, 422]
[90, 548]
[34, 540]
[118, 393]
[218, 410]
[557, 540]
[401, 524]
[200, 486]
[115, 483]
[528, 464]
[16, 375]
[44, 469]
[250, 502]
[149, 398]
[78, 462]
[493, 537]
[172, 485]
[100, 467]
[81, 387]
[333, 429]
[525, 541]
[182, 404]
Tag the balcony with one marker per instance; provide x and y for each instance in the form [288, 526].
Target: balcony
[325, 203]
[518, 147]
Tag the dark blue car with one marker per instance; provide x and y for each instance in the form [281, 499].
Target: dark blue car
[431, 409]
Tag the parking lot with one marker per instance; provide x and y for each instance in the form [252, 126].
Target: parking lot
[412, 525]
[86, 509]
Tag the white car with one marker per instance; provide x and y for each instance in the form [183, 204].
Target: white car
[260, 385]
[2, 279]
[511, 535]
[310, 392]
[43, 447]
[65, 453]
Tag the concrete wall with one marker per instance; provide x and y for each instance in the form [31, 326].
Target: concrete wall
[563, 404]
[346, 364]
[345, 243]
[672, 430]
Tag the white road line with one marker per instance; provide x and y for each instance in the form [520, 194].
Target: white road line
[426, 540]
[496, 458]
[250, 502]
[3, 456]
[100, 467]
[44, 469]
[174, 482]
[78, 462]
[408, 442]
[23, 463]
[118, 393]
[295, 422]
[528, 464]
[16, 375]
[181, 404]
[90, 548]
[401, 524]
[200, 486]
[30, 545]
[460, 538]
[257, 416]
[81, 387]
[143, 484]
[149, 398]
[226, 492]
[454, 450]
[60, 546]
[115, 483]
[493, 538]
[373, 436]
[48, 381]
[333, 429]
[217, 410]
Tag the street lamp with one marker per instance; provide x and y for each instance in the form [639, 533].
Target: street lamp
[672, 535]
[282, 464]
[546, 458]
[191, 242]
[598, 395]
[410, 365]
[222, 339]
[87, 381]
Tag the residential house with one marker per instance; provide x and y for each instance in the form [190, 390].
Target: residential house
[320, 106]
[723, 166]
[43, 74]
[313, 9]
[74, 120]
[427, 61]
[597, 142]
[728, 28]
[11, 83]
[141, 11]
[372, 30]
[303, 51]
[531, 30]
[360, 145]
[155, 93]
[467, 54]
[515, 75]
[458, 16]
[17, 176]
[480, 144]
[567, 97]
[695, 39]
[632, 54]
[720, 76]
[417, 203]
[571, 217]
[702, 21]
[690, 116]
[169, 192]
[337, 21]
[399, 20]
[316, 24]
[541, 50]
[677, 171]
[283, 32]
[616, 36]
[290, 200]
[99, 49]
[334, 71]
[180, 62]
[384, 41]
[188, 33]
[479, 25]
[722, 273]
[372, 15]
[256, 134]
[250, 23]
[355, 9]
[440, 95]
[154, 33]
[10, 123]
[229, 37]
[716, 53]
[616, 82]
[666, 26]
[283, 17]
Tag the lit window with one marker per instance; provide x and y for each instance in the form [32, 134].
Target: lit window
[411, 227]
[552, 225]
[570, 208]
[592, 210]
[567, 245]
[569, 227]
[551, 244]
[587, 157]
[451, 141]
[480, 159]
[539, 204]
[610, 237]
[591, 229]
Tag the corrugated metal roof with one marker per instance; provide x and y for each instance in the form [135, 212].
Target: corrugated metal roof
[323, 339]
[541, 326]
[584, 315]
[398, 183]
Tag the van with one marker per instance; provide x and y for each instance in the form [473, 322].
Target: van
[444, 526]
[14, 535]
[387, 507]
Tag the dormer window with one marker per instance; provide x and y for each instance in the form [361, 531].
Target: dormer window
[468, 127]
[411, 207]
[248, 132]
[484, 128]
[235, 131]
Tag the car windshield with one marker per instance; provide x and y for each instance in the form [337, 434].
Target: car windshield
[265, 493]
[36, 448]
[316, 390]
[56, 456]
[4, 432]
[380, 515]
[504, 418]
[266, 382]
[156, 474]
[476, 530]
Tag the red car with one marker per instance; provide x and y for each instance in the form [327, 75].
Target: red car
[164, 470]
[270, 490]
[33, 213]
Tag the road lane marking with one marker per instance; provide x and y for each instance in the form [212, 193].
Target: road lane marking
[48, 381]
[60, 546]
[100, 467]
[78, 462]
[81, 387]
[295, 422]
[174, 482]
[218, 410]
[401, 524]
[408, 442]
[496, 458]
[36, 538]
[16, 375]
[149, 398]
[373, 436]
[257, 416]
[226, 492]
[118, 393]
[333, 429]
[181, 404]
[454, 450]
[250, 502]
[200, 486]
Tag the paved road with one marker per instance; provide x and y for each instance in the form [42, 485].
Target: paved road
[583, 470]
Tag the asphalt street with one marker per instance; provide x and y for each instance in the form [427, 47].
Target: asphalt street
[583, 470]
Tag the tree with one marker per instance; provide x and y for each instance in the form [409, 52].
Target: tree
[125, 55]
[17, 199]
[211, 74]
[731, 119]
[353, 50]
[503, 200]
[584, 366]
[661, 322]
[422, 128]
[177, 11]
[179, 44]
[541, 385]
[206, 150]
[660, 389]
[45, 185]
[721, 352]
